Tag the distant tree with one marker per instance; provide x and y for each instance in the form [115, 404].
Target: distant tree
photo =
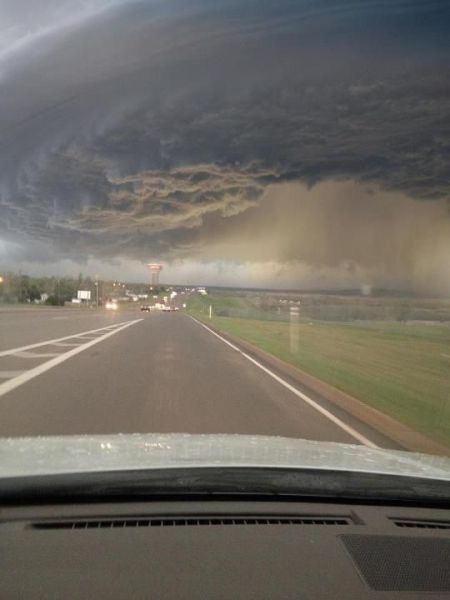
[88, 284]
[23, 288]
[53, 300]
[34, 293]
[67, 289]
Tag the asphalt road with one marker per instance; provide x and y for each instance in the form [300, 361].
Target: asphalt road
[20, 326]
[145, 372]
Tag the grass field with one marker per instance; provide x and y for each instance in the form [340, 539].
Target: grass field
[400, 368]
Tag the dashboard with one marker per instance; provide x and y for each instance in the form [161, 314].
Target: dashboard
[224, 549]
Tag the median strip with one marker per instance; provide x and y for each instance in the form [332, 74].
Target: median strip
[35, 354]
[12, 351]
[9, 374]
[14, 383]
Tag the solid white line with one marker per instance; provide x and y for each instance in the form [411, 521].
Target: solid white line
[67, 337]
[326, 413]
[7, 386]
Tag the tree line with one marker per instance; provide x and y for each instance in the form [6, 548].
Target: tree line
[18, 288]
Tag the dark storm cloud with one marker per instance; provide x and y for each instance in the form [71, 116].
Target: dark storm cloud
[127, 127]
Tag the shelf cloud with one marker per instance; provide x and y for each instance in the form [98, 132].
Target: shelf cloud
[309, 137]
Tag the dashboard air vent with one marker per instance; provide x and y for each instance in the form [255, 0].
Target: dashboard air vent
[421, 524]
[191, 521]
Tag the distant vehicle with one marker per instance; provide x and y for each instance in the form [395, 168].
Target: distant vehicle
[145, 308]
[111, 305]
[166, 308]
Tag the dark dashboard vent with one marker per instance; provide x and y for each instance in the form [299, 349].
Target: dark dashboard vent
[421, 524]
[190, 521]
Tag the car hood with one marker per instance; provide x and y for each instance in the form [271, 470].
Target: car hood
[24, 457]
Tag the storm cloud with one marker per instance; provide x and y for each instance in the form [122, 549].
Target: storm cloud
[192, 131]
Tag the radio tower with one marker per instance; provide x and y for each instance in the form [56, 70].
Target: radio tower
[155, 270]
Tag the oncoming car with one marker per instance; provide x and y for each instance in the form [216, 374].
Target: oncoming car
[111, 305]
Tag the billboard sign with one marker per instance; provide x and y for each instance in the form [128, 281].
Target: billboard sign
[83, 295]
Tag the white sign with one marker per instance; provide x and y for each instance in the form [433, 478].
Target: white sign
[83, 295]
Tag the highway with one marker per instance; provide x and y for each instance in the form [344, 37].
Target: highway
[72, 371]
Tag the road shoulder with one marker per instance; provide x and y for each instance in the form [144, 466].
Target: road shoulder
[401, 434]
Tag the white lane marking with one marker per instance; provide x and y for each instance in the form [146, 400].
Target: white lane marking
[35, 354]
[65, 344]
[59, 318]
[9, 374]
[326, 413]
[7, 386]
[61, 339]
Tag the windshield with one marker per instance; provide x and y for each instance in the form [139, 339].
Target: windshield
[226, 218]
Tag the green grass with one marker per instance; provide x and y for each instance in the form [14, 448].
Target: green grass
[398, 368]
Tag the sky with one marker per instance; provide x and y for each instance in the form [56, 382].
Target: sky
[291, 143]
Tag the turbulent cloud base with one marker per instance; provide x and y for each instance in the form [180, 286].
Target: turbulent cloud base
[262, 143]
